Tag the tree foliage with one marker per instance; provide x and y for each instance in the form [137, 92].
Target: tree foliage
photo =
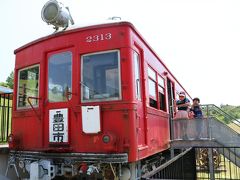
[9, 81]
[233, 111]
[3, 84]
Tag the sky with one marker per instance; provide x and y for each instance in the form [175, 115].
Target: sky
[198, 40]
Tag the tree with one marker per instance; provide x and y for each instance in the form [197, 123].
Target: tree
[9, 80]
[3, 84]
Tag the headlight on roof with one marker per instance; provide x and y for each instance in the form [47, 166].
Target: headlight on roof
[56, 14]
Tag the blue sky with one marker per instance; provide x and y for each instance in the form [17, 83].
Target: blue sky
[198, 40]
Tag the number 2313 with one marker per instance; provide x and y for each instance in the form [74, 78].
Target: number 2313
[100, 37]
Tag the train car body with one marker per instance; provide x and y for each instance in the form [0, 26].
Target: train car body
[87, 97]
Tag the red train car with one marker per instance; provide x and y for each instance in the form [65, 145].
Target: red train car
[92, 101]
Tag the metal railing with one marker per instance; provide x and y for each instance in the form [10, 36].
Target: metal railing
[225, 164]
[5, 116]
[191, 129]
[208, 128]
[211, 110]
[200, 164]
[182, 166]
[217, 145]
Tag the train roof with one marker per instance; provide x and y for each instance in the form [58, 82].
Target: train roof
[75, 29]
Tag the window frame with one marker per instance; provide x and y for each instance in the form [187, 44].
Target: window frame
[156, 88]
[159, 84]
[164, 92]
[136, 60]
[119, 75]
[18, 84]
[154, 80]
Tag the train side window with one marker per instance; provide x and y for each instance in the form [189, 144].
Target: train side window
[59, 76]
[161, 93]
[137, 76]
[152, 86]
[28, 86]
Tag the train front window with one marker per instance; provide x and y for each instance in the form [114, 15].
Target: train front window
[59, 76]
[101, 77]
[28, 86]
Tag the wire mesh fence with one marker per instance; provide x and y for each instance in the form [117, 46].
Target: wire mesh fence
[5, 116]
[203, 164]
[225, 163]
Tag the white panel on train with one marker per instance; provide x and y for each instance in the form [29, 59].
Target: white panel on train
[58, 125]
[91, 119]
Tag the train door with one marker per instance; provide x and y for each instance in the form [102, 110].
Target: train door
[140, 118]
[58, 88]
[171, 99]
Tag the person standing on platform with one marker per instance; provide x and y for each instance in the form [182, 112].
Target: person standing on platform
[180, 124]
[183, 105]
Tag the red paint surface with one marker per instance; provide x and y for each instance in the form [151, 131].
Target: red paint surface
[133, 126]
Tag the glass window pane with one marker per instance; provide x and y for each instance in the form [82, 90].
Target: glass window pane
[160, 89]
[151, 73]
[153, 103]
[162, 101]
[28, 86]
[59, 76]
[137, 76]
[152, 88]
[100, 77]
[161, 81]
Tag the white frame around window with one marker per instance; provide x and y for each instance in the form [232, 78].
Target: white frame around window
[137, 69]
[19, 70]
[119, 75]
[155, 89]
[161, 81]
[161, 89]
[152, 74]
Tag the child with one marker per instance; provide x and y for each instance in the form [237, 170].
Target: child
[196, 109]
[198, 115]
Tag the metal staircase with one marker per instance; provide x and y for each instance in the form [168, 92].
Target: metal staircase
[209, 132]
[226, 137]
[223, 134]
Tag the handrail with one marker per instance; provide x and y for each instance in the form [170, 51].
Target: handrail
[224, 112]
[212, 111]
[210, 128]
[166, 164]
[67, 94]
[30, 103]
[220, 111]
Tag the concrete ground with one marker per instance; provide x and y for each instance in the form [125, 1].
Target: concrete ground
[3, 165]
